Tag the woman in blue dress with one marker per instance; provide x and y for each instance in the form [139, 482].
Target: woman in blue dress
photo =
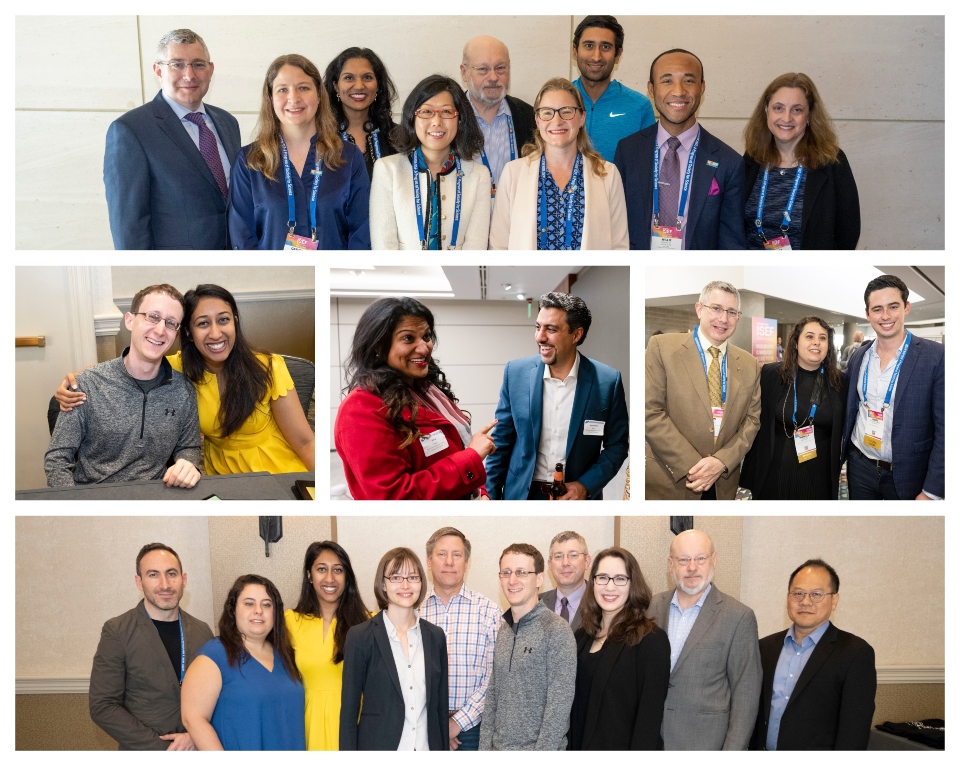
[243, 691]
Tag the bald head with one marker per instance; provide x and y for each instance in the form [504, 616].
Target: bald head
[482, 55]
[692, 560]
[691, 539]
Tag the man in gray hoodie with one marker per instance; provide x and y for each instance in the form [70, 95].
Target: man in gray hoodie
[139, 412]
[534, 664]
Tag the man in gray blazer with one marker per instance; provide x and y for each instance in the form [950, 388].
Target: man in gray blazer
[568, 562]
[142, 656]
[715, 673]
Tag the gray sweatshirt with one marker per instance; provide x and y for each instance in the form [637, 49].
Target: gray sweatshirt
[532, 684]
[121, 433]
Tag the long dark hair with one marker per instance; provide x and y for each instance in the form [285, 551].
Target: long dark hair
[248, 379]
[788, 368]
[230, 635]
[631, 624]
[367, 367]
[381, 110]
[469, 140]
[350, 610]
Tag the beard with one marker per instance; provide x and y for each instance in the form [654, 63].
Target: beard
[707, 579]
[480, 98]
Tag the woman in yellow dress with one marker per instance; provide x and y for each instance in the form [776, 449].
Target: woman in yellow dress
[330, 604]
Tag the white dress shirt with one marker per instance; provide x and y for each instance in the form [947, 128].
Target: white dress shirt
[413, 685]
[558, 398]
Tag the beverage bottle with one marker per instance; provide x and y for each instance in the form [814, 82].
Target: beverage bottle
[558, 488]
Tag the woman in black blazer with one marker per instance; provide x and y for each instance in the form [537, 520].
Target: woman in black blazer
[623, 661]
[375, 712]
[791, 143]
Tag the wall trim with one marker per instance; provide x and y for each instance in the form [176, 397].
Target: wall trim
[53, 685]
[107, 324]
[247, 296]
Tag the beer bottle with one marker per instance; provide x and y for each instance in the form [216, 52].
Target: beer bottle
[558, 488]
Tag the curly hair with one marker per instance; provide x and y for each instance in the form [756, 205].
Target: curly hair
[788, 367]
[631, 624]
[381, 109]
[469, 140]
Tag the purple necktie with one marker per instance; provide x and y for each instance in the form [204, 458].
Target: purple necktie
[208, 149]
[670, 183]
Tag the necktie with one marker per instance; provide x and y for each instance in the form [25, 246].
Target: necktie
[564, 612]
[670, 183]
[208, 150]
[713, 378]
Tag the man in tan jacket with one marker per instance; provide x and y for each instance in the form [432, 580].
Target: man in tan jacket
[702, 404]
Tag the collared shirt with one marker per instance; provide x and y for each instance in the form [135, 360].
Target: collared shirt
[876, 393]
[793, 658]
[705, 343]
[413, 685]
[194, 131]
[619, 112]
[681, 623]
[496, 137]
[686, 144]
[573, 601]
[558, 398]
[470, 622]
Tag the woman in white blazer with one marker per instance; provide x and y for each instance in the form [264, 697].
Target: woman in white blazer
[560, 194]
[431, 195]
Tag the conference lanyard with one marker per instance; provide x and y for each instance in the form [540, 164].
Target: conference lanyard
[723, 367]
[419, 203]
[814, 398]
[291, 200]
[513, 154]
[374, 137]
[893, 380]
[575, 181]
[183, 644]
[785, 224]
[681, 206]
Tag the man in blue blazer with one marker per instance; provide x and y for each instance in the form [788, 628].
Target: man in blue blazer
[558, 407]
[167, 163]
[711, 213]
[893, 439]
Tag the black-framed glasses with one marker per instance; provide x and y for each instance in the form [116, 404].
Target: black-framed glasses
[618, 580]
[816, 596]
[427, 114]
[545, 113]
[154, 318]
[177, 65]
[396, 579]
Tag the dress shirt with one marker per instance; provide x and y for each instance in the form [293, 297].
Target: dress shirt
[876, 392]
[558, 398]
[793, 658]
[470, 622]
[413, 685]
[193, 131]
[683, 153]
[573, 601]
[705, 343]
[681, 623]
[496, 138]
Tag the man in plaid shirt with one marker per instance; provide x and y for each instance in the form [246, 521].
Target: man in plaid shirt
[470, 621]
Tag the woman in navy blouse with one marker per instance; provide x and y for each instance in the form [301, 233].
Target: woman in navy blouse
[298, 186]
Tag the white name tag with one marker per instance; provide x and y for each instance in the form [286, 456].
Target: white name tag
[433, 443]
[593, 427]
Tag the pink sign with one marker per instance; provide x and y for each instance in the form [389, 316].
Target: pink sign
[765, 339]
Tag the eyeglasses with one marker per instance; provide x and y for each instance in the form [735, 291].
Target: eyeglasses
[816, 596]
[428, 114]
[572, 556]
[684, 561]
[521, 573]
[397, 579]
[157, 319]
[179, 66]
[500, 69]
[545, 113]
[618, 580]
[716, 311]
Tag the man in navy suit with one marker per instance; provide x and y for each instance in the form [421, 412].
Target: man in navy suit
[558, 407]
[697, 203]
[167, 164]
[893, 436]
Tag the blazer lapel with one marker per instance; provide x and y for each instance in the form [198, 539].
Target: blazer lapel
[645, 166]
[383, 643]
[906, 370]
[151, 637]
[169, 124]
[225, 138]
[703, 175]
[769, 657]
[536, 403]
[429, 674]
[608, 658]
[691, 360]
[821, 652]
[706, 618]
[585, 383]
[811, 188]
[733, 384]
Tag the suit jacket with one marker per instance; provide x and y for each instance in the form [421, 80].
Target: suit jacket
[524, 121]
[549, 599]
[377, 468]
[626, 699]
[599, 396]
[830, 216]
[134, 690]
[832, 705]
[715, 684]
[679, 426]
[714, 222]
[515, 213]
[371, 712]
[161, 194]
[918, 417]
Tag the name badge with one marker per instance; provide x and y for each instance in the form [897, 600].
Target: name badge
[296, 242]
[666, 238]
[433, 443]
[717, 413]
[778, 243]
[873, 437]
[593, 427]
[804, 442]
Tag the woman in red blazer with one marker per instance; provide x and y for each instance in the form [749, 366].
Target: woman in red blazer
[399, 432]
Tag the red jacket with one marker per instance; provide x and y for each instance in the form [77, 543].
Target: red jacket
[377, 468]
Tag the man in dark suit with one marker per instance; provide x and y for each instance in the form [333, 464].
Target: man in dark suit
[142, 657]
[558, 407]
[568, 562]
[709, 216]
[819, 682]
[166, 167]
[893, 437]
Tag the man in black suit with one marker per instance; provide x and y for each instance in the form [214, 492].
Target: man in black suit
[167, 163]
[568, 562]
[670, 211]
[819, 682]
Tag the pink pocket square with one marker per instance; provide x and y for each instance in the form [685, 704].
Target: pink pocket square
[714, 188]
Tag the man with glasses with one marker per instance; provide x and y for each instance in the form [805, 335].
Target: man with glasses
[568, 564]
[702, 404]
[534, 665]
[139, 414]
[819, 682]
[714, 655]
[167, 163]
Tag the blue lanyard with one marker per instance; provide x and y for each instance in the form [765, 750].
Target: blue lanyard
[419, 203]
[183, 644]
[785, 225]
[723, 367]
[374, 137]
[682, 204]
[291, 200]
[513, 150]
[893, 380]
[813, 407]
[575, 181]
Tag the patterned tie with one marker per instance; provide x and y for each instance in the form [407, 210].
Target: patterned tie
[564, 612]
[670, 174]
[713, 378]
[208, 149]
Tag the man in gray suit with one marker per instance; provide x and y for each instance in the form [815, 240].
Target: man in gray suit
[568, 562]
[142, 656]
[715, 672]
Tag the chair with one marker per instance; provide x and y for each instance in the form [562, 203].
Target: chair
[304, 377]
